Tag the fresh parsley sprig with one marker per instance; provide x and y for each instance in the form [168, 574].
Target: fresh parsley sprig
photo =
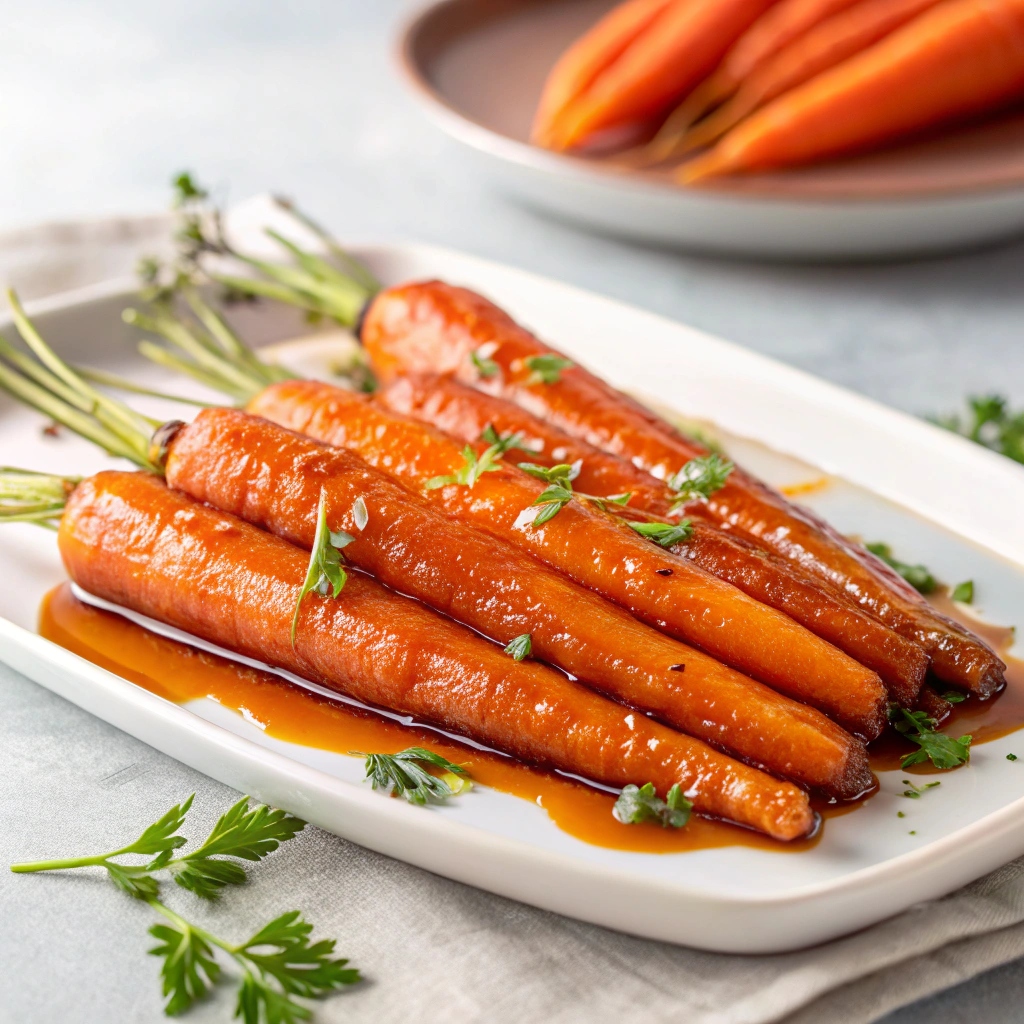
[404, 774]
[699, 478]
[560, 491]
[325, 572]
[990, 423]
[637, 804]
[277, 963]
[474, 466]
[943, 751]
[916, 575]
[547, 368]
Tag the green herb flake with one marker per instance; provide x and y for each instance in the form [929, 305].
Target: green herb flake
[637, 804]
[325, 573]
[915, 792]
[482, 362]
[953, 697]
[474, 466]
[900, 814]
[664, 534]
[964, 592]
[521, 647]
[916, 575]
[700, 478]
[943, 751]
[404, 774]
[1011, 757]
[547, 368]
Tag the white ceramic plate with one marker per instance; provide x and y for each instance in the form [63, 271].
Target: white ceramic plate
[929, 492]
[477, 67]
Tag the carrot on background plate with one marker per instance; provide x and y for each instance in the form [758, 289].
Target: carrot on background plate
[783, 23]
[577, 68]
[678, 48]
[842, 36]
[963, 57]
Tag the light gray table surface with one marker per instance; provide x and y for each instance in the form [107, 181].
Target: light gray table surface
[103, 100]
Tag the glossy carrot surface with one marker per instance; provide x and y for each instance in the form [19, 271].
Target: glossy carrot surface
[273, 478]
[593, 548]
[433, 327]
[960, 58]
[129, 539]
[465, 413]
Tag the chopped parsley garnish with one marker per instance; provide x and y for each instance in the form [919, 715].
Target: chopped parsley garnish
[547, 369]
[403, 774]
[914, 792]
[637, 804]
[521, 647]
[964, 592]
[325, 572]
[474, 466]
[665, 534]
[700, 478]
[943, 751]
[916, 575]
[1011, 757]
[481, 360]
[952, 697]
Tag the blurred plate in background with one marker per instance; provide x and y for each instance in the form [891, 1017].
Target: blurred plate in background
[478, 67]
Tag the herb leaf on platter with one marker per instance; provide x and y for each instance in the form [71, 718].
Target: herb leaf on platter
[404, 774]
[699, 478]
[943, 751]
[916, 575]
[665, 534]
[637, 804]
[521, 647]
[547, 368]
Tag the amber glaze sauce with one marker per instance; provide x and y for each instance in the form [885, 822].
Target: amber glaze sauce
[180, 673]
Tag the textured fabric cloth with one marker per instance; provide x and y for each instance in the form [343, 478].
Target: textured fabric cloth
[72, 948]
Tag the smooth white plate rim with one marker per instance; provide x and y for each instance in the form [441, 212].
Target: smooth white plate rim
[623, 899]
[614, 202]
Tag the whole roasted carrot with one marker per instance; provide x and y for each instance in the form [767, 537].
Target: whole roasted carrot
[962, 57]
[678, 49]
[128, 539]
[591, 54]
[432, 327]
[466, 413]
[273, 478]
[291, 485]
[591, 547]
[823, 47]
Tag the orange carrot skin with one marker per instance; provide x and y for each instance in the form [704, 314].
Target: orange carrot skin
[822, 47]
[962, 57]
[129, 539]
[675, 52]
[577, 68]
[464, 413]
[272, 478]
[433, 327]
[595, 549]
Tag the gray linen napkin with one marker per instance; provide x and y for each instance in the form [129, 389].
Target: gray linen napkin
[431, 948]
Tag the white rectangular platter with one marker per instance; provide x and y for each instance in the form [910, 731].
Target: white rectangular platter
[936, 498]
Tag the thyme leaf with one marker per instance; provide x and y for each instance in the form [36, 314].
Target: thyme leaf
[637, 804]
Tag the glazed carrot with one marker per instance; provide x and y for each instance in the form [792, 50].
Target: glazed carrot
[591, 54]
[593, 548]
[465, 413]
[821, 48]
[273, 478]
[128, 539]
[960, 58]
[680, 47]
[432, 327]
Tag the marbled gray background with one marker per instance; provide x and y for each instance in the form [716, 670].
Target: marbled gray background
[101, 101]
